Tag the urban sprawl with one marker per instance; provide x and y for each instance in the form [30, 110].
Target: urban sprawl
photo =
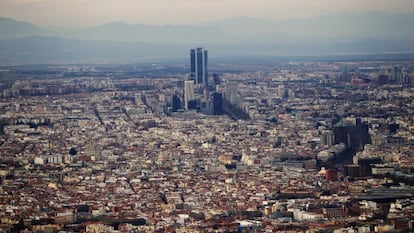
[284, 147]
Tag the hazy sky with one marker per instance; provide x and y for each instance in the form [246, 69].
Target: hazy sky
[94, 12]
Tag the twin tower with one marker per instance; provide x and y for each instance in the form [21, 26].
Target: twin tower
[197, 88]
[199, 66]
[198, 76]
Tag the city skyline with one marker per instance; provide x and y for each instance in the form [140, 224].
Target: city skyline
[78, 13]
[206, 116]
[283, 147]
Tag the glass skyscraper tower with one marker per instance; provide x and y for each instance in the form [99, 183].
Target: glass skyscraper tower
[199, 66]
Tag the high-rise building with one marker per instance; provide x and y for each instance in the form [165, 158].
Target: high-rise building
[199, 66]
[217, 103]
[188, 93]
[176, 103]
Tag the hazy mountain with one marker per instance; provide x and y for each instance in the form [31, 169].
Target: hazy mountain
[241, 29]
[252, 30]
[343, 27]
[10, 29]
[370, 33]
[146, 33]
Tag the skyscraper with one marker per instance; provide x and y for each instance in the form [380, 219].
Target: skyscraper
[217, 103]
[176, 103]
[188, 93]
[199, 66]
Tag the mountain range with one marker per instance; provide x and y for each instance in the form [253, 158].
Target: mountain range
[118, 42]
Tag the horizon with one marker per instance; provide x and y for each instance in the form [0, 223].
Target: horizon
[119, 40]
[206, 23]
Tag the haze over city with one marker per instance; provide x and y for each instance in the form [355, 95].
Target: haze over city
[220, 116]
[148, 31]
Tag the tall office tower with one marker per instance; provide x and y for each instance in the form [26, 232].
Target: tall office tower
[199, 66]
[188, 93]
[217, 103]
[176, 103]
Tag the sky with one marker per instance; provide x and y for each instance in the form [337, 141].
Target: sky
[76, 13]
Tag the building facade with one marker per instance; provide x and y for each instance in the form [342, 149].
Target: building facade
[188, 93]
[199, 59]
